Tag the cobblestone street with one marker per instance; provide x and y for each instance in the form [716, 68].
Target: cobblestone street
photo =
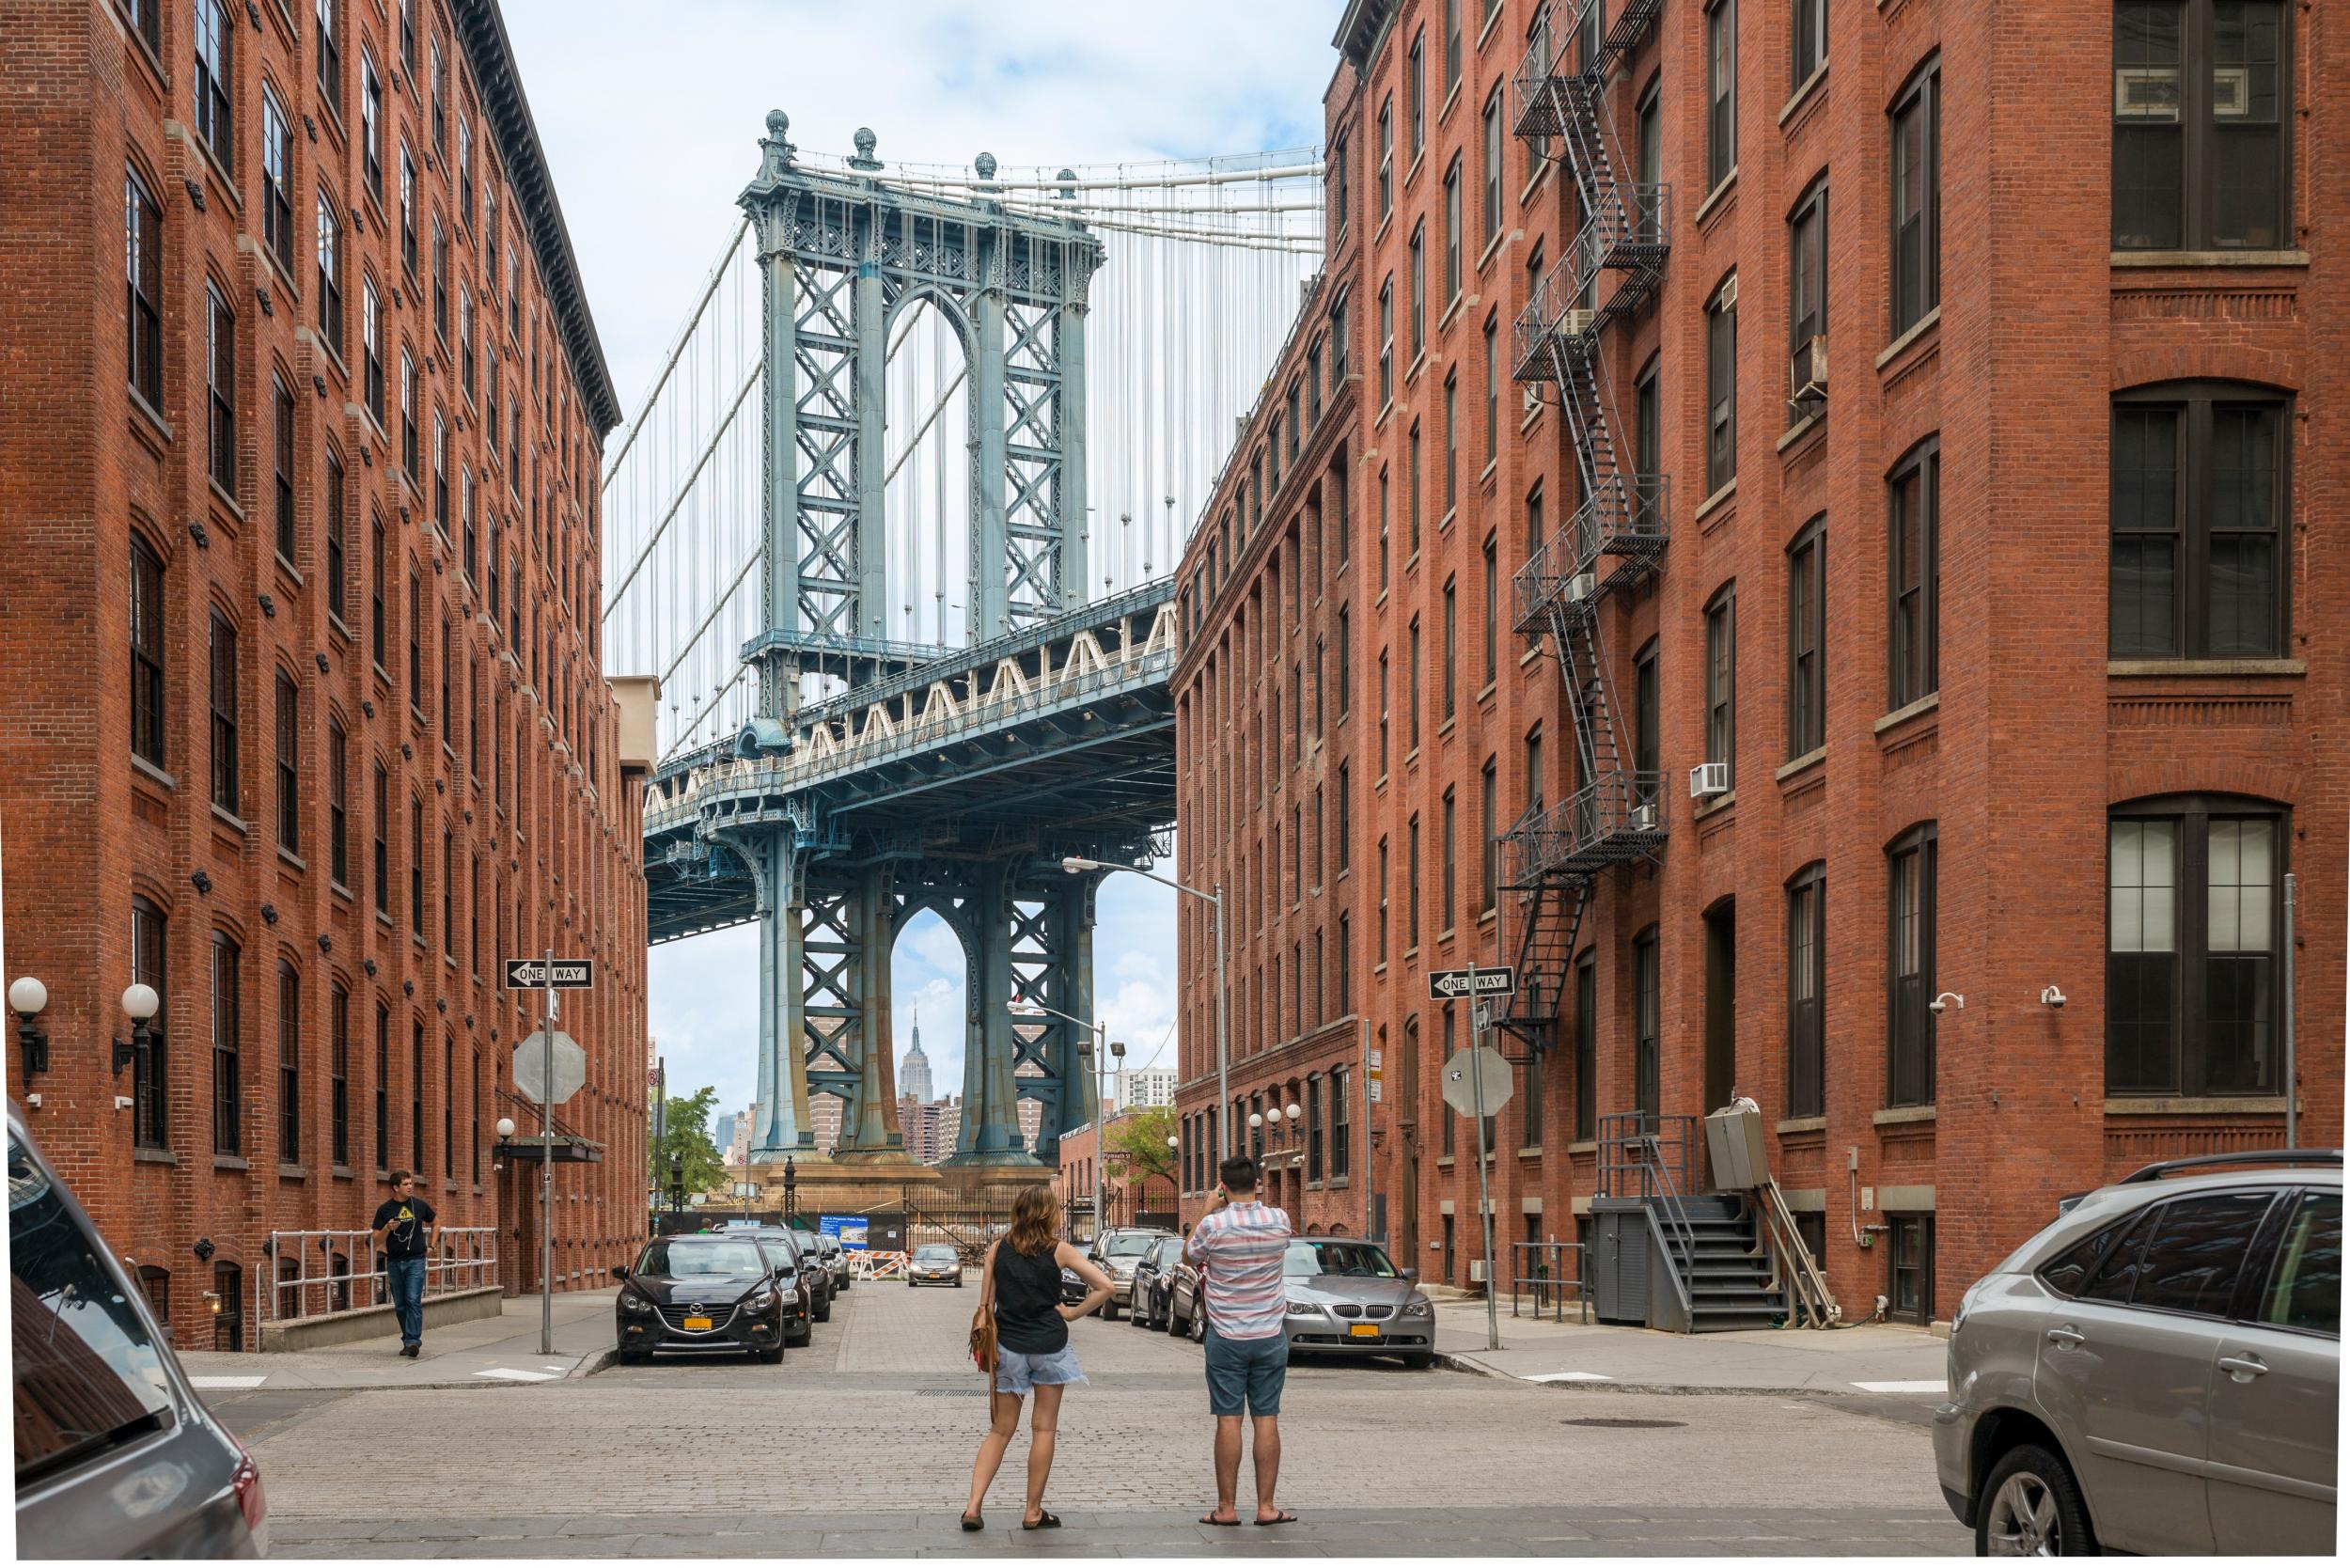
[863, 1443]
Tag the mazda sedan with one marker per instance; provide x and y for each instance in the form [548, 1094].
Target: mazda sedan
[935, 1264]
[705, 1292]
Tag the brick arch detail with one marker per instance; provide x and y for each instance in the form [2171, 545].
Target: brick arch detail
[2269, 783]
[2199, 358]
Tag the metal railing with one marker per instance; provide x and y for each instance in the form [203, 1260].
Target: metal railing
[1539, 1269]
[464, 1257]
[1616, 817]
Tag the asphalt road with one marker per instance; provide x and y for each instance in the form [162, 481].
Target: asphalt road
[862, 1444]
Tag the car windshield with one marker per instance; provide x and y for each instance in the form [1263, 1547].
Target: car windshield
[1356, 1260]
[934, 1254]
[87, 1372]
[1130, 1247]
[689, 1257]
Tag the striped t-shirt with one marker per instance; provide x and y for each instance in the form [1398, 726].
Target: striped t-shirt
[1239, 1251]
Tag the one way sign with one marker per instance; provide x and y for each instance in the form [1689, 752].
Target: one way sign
[530, 974]
[1446, 984]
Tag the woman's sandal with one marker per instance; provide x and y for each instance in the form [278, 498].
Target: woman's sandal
[1046, 1519]
[1283, 1518]
[975, 1521]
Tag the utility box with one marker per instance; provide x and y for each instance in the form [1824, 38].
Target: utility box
[635, 698]
[1734, 1146]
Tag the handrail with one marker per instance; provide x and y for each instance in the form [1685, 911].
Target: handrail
[462, 1257]
[1809, 1295]
[1555, 1284]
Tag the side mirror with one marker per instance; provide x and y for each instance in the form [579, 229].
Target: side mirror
[621, 1272]
[1411, 1274]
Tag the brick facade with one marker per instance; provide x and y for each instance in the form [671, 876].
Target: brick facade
[2032, 734]
[456, 683]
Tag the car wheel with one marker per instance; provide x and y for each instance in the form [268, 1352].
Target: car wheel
[823, 1311]
[771, 1355]
[1109, 1311]
[1419, 1360]
[806, 1336]
[2035, 1509]
[1198, 1324]
[630, 1357]
[1175, 1324]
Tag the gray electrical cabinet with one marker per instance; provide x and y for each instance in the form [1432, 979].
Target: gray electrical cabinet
[1619, 1260]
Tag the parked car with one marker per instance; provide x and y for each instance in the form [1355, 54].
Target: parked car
[1146, 1299]
[707, 1293]
[795, 1256]
[935, 1264]
[116, 1457]
[1346, 1297]
[1116, 1251]
[2159, 1369]
[834, 1257]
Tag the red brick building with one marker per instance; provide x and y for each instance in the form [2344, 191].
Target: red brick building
[1129, 1195]
[301, 718]
[1987, 512]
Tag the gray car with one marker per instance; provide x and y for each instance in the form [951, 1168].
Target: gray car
[1345, 1297]
[1117, 1252]
[2158, 1372]
[116, 1457]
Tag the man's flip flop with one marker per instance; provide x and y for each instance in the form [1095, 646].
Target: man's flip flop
[1284, 1517]
[1221, 1524]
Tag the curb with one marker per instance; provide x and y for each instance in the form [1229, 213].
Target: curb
[1462, 1361]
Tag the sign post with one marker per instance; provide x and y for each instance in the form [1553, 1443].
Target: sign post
[1476, 984]
[548, 976]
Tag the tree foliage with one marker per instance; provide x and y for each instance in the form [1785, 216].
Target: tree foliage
[1140, 1136]
[685, 1141]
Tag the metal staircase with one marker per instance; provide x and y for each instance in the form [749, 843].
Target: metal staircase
[1616, 539]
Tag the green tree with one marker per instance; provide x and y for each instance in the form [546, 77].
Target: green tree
[685, 1141]
[1140, 1136]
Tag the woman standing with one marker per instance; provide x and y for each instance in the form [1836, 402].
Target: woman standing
[1020, 1287]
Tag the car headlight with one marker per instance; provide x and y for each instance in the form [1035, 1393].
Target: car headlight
[759, 1300]
[1417, 1307]
[1301, 1310]
[636, 1304]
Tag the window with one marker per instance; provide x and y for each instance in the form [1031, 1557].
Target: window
[440, 122]
[1586, 1048]
[1806, 640]
[1419, 289]
[440, 279]
[1450, 913]
[2305, 1290]
[288, 765]
[228, 1103]
[147, 651]
[1411, 892]
[2200, 108]
[1415, 92]
[1913, 573]
[151, 1077]
[1411, 506]
[216, 63]
[1340, 1163]
[1807, 308]
[383, 1085]
[1387, 343]
[1410, 687]
[2193, 910]
[1646, 1023]
[1807, 24]
[381, 819]
[1452, 232]
[1387, 156]
[1531, 1126]
[371, 125]
[1491, 631]
[415, 1096]
[1807, 991]
[338, 802]
[440, 473]
[408, 426]
[1491, 142]
[142, 287]
[415, 645]
[1909, 981]
[1721, 92]
[339, 1072]
[330, 60]
[416, 868]
[1909, 1268]
[1489, 841]
[464, 171]
[375, 584]
[407, 210]
[1721, 679]
[1722, 385]
[220, 385]
[289, 1064]
[337, 566]
[2200, 490]
[1451, 640]
[466, 340]
[276, 181]
[1648, 765]
[330, 277]
[282, 456]
[223, 706]
[1383, 713]
[1918, 198]
[1451, 44]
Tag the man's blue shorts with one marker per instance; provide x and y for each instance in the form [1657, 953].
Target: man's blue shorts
[1246, 1374]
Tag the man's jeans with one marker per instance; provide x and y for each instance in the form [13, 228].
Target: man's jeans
[405, 1277]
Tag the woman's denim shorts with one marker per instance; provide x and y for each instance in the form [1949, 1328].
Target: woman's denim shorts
[1017, 1372]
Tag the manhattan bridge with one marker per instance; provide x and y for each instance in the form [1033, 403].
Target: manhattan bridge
[895, 527]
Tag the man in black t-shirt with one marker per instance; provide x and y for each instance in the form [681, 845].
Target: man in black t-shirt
[403, 1229]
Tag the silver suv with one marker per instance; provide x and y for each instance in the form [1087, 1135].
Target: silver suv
[2159, 1371]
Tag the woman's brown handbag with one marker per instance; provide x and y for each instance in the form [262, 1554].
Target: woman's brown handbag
[984, 1319]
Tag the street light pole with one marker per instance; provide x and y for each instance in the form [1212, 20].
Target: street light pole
[1098, 1030]
[1075, 863]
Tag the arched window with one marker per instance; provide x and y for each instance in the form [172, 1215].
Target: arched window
[330, 275]
[1909, 981]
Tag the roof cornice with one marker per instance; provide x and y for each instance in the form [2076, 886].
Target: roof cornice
[481, 28]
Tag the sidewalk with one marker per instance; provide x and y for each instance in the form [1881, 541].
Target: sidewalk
[1873, 1359]
[503, 1349]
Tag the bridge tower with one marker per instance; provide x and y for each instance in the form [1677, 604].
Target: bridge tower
[843, 255]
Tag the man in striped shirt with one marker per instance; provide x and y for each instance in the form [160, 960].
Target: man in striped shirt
[1238, 1247]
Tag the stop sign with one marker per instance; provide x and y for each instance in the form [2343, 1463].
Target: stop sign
[530, 1067]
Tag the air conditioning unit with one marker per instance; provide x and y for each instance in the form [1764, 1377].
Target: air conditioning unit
[1807, 372]
[1644, 816]
[1708, 779]
[1574, 323]
[1728, 298]
[1581, 587]
[1477, 1271]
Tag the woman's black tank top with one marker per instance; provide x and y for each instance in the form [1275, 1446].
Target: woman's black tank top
[1027, 1301]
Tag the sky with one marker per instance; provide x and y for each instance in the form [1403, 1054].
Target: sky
[652, 131]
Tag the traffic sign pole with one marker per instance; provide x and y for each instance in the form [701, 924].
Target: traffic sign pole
[1484, 1179]
[546, 1175]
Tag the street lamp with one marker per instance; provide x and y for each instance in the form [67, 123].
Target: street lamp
[139, 1004]
[1075, 863]
[27, 998]
[1100, 1065]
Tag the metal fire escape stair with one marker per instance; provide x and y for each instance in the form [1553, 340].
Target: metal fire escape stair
[1553, 856]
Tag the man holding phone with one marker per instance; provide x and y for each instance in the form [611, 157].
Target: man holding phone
[1238, 1245]
[403, 1229]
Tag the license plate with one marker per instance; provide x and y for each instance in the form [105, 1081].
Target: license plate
[697, 1322]
[1363, 1331]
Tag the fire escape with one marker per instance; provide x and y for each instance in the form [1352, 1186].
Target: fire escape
[1553, 857]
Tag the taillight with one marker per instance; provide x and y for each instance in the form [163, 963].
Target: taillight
[251, 1502]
